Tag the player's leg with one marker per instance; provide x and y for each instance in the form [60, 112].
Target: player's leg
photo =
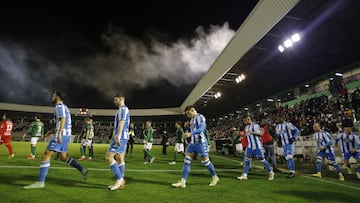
[290, 159]
[318, 165]
[82, 149]
[10, 149]
[44, 168]
[91, 151]
[357, 158]
[331, 158]
[131, 148]
[204, 154]
[273, 158]
[346, 157]
[120, 160]
[150, 157]
[190, 150]
[247, 163]
[259, 153]
[33, 142]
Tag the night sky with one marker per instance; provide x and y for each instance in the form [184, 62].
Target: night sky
[154, 52]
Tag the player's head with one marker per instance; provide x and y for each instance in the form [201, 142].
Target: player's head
[4, 116]
[119, 99]
[317, 127]
[57, 97]
[37, 117]
[186, 123]
[190, 111]
[177, 124]
[247, 120]
[132, 125]
[280, 118]
[87, 120]
[347, 124]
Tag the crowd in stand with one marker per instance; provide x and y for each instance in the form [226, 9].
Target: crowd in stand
[329, 110]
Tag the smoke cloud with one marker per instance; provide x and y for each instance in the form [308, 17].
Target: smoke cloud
[126, 64]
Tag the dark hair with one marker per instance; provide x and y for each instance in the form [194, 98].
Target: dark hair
[38, 116]
[59, 94]
[188, 107]
[347, 123]
[178, 122]
[118, 95]
[246, 116]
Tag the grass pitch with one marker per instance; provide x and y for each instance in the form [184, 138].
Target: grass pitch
[152, 183]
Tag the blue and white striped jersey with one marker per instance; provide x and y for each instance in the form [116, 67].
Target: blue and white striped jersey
[253, 134]
[122, 114]
[286, 131]
[198, 126]
[347, 142]
[62, 111]
[324, 138]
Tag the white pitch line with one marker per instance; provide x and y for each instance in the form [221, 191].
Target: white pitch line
[331, 182]
[107, 169]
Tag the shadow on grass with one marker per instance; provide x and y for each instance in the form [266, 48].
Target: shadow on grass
[314, 196]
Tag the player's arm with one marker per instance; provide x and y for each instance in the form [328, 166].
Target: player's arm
[256, 130]
[295, 130]
[120, 129]
[61, 128]
[337, 140]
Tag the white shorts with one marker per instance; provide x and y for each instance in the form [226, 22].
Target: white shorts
[148, 145]
[179, 147]
[239, 147]
[34, 140]
[86, 143]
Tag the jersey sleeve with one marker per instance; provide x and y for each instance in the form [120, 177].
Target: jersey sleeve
[60, 110]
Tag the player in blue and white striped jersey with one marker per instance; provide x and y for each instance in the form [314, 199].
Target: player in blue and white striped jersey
[325, 149]
[288, 133]
[254, 149]
[349, 146]
[59, 142]
[119, 142]
[198, 145]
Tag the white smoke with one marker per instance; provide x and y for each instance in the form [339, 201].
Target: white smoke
[128, 64]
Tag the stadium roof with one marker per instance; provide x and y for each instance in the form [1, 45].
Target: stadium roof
[329, 33]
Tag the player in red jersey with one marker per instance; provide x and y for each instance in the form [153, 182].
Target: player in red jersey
[6, 127]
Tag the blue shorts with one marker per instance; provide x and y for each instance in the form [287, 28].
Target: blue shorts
[254, 153]
[202, 149]
[346, 156]
[53, 144]
[113, 148]
[329, 156]
[289, 149]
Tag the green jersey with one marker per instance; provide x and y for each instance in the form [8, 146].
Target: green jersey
[207, 134]
[36, 129]
[179, 135]
[88, 132]
[236, 139]
[148, 136]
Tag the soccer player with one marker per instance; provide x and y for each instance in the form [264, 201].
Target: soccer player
[36, 130]
[148, 141]
[59, 142]
[131, 141]
[325, 149]
[254, 148]
[349, 146]
[288, 133]
[118, 142]
[179, 145]
[6, 127]
[87, 137]
[198, 144]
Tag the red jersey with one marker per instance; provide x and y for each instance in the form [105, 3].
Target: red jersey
[244, 140]
[6, 128]
[266, 137]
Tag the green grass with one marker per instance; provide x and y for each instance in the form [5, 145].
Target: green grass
[151, 183]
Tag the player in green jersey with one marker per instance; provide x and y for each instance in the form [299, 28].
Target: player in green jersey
[87, 136]
[36, 130]
[179, 145]
[148, 141]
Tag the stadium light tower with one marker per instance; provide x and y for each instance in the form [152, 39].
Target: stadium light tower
[289, 42]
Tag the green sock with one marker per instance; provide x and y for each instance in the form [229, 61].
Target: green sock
[149, 155]
[33, 150]
[82, 151]
[175, 156]
[91, 152]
